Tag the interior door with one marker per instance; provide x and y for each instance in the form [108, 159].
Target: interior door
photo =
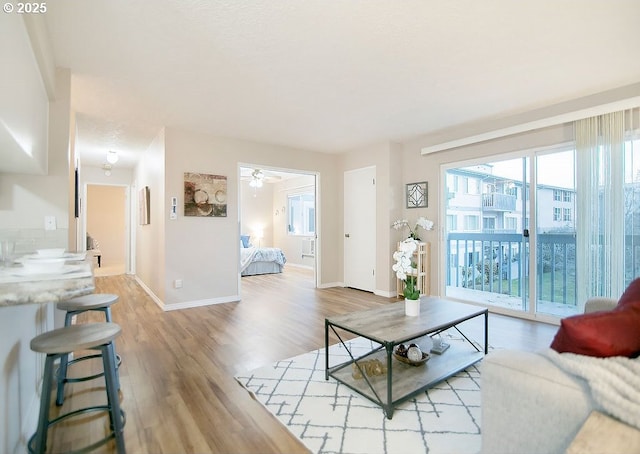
[360, 228]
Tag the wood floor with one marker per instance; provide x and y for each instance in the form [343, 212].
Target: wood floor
[177, 384]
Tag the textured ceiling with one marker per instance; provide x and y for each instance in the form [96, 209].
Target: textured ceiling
[329, 75]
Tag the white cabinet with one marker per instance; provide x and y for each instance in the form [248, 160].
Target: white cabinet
[422, 259]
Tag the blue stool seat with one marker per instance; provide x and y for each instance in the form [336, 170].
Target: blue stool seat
[62, 341]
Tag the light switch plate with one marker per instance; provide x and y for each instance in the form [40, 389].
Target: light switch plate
[49, 222]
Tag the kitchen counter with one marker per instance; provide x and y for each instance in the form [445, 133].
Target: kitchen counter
[18, 287]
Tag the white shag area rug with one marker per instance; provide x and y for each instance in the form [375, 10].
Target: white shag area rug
[328, 417]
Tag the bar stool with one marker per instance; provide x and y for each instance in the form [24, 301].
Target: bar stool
[95, 302]
[62, 341]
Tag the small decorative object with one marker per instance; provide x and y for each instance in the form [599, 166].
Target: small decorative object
[412, 355]
[439, 346]
[371, 368]
[422, 222]
[417, 195]
[205, 195]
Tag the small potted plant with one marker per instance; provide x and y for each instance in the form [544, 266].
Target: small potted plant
[403, 268]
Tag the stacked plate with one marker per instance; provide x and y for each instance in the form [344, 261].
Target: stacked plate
[47, 261]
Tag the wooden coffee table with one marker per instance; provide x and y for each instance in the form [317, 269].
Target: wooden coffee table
[388, 327]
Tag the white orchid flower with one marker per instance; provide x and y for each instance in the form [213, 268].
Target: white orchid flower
[424, 223]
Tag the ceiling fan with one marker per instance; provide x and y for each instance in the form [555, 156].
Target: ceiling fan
[257, 177]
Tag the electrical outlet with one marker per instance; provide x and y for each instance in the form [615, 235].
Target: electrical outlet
[177, 283]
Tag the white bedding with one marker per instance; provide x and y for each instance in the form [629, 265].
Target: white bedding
[251, 255]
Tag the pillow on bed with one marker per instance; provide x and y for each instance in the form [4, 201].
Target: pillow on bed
[245, 240]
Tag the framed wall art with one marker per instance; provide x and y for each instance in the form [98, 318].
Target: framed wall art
[205, 195]
[417, 195]
[144, 214]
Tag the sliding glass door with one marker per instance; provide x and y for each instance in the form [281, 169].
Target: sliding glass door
[487, 241]
[555, 234]
[540, 233]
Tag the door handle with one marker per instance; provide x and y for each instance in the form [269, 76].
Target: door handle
[346, 235]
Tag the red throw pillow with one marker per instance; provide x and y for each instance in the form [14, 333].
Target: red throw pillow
[631, 294]
[602, 334]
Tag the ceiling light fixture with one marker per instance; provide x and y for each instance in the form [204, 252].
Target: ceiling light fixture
[257, 177]
[112, 157]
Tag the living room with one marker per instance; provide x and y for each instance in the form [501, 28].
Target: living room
[485, 115]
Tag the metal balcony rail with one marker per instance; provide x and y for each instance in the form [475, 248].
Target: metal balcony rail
[497, 263]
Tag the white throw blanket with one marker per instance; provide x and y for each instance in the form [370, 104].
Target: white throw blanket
[614, 382]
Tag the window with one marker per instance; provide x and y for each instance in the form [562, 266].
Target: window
[452, 183]
[471, 222]
[302, 214]
[557, 214]
[452, 222]
[488, 224]
[473, 186]
[566, 196]
[557, 195]
[510, 223]
[566, 214]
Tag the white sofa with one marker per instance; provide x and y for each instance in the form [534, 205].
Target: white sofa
[529, 405]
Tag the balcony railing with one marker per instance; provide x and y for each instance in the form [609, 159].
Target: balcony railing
[495, 263]
[495, 201]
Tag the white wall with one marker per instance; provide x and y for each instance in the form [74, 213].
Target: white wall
[23, 102]
[24, 201]
[151, 260]
[204, 252]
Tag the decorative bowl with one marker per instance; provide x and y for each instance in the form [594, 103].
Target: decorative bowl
[404, 359]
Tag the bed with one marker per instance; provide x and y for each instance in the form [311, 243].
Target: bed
[261, 260]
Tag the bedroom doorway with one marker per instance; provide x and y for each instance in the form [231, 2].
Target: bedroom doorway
[277, 209]
[106, 224]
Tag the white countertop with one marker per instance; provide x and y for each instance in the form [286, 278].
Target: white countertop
[21, 286]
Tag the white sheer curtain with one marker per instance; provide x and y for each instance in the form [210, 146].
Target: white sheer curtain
[600, 168]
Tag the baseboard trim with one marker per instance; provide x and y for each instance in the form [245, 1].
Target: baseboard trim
[385, 293]
[149, 292]
[185, 304]
[200, 303]
[331, 284]
[299, 265]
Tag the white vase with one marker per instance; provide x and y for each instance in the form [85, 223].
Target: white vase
[411, 307]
